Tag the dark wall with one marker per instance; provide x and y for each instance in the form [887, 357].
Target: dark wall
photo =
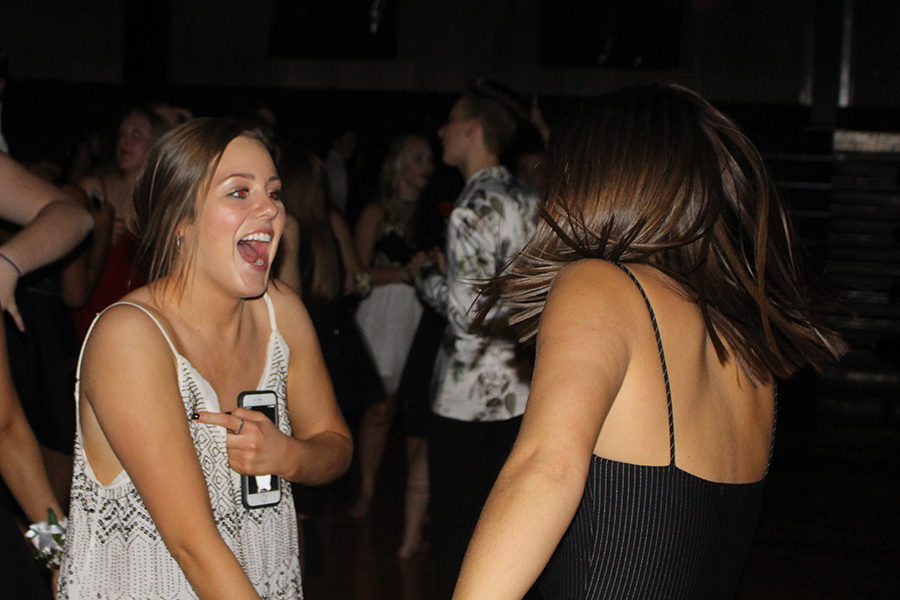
[759, 51]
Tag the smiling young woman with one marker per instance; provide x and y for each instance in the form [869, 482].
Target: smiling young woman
[209, 326]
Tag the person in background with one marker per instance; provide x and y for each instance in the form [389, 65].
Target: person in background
[337, 169]
[388, 317]
[105, 272]
[318, 259]
[52, 226]
[666, 296]
[208, 326]
[481, 378]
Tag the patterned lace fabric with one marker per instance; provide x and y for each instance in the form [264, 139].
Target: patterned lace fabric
[113, 548]
[480, 375]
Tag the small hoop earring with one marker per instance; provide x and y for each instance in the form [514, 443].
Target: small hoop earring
[178, 241]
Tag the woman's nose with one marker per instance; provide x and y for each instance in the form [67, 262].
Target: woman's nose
[269, 206]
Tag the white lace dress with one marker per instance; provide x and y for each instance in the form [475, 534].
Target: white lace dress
[113, 549]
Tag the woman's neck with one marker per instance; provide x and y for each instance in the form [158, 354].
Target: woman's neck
[202, 311]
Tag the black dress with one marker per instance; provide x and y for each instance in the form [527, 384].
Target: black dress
[42, 359]
[654, 532]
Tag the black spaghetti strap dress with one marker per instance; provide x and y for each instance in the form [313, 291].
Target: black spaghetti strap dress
[648, 532]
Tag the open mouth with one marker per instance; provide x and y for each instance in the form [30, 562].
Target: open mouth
[254, 248]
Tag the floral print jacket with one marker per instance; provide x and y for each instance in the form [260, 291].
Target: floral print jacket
[481, 375]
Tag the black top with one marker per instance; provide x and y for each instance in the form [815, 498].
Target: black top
[654, 531]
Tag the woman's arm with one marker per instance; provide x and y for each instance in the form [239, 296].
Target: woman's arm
[21, 464]
[352, 263]
[82, 273]
[132, 414]
[320, 448]
[583, 352]
[53, 225]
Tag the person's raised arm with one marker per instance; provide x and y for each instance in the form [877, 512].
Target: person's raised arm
[82, 275]
[539, 489]
[131, 400]
[53, 224]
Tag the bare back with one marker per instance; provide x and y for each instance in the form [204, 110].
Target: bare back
[599, 384]
[722, 421]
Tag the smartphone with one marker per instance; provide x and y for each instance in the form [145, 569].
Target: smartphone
[260, 490]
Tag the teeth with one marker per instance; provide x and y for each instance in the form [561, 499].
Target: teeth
[259, 262]
[257, 237]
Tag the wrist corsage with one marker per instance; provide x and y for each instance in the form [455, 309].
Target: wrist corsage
[47, 538]
[363, 283]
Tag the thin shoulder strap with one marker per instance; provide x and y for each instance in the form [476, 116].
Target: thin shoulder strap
[662, 360]
[271, 308]
[145, 311]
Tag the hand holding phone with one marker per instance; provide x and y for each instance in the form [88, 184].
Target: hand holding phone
[260, 490]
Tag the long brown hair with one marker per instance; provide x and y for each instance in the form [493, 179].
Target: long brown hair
[656, 175]
[303, 194]
[167, 191]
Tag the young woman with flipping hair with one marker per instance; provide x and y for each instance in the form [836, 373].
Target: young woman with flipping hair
[666, 295]
[161, 445]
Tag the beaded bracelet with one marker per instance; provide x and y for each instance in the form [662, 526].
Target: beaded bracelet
[10, 261]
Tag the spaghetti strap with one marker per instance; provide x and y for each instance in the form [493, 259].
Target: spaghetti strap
[271, 308]
[96, 318]
[662, 359]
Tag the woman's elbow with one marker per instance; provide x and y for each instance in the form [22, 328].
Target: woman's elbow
[76, 219]
[550, 468]
[83, 223]
[343, 455]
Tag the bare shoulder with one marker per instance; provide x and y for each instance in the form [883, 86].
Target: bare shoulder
[590, 272]
[126, 341]
[125, 322]
[590, 301]
[290, 312]
[370, 216]
[592, 286]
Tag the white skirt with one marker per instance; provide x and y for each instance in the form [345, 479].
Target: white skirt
[388, 319]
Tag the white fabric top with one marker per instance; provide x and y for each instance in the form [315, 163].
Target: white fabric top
[113, 548]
